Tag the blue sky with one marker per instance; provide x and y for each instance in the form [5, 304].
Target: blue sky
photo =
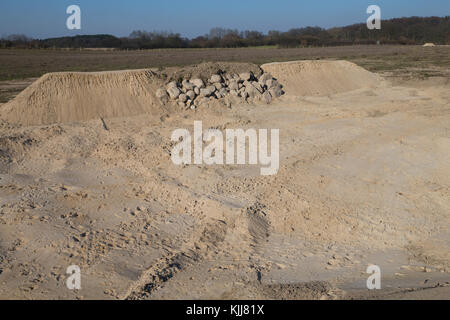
[47, 18]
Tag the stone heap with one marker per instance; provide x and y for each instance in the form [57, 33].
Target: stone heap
[189, 93]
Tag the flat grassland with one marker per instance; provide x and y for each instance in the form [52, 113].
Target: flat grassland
[21, 64]
[17, 65]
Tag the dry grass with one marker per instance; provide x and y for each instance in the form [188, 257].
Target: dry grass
[399, 60]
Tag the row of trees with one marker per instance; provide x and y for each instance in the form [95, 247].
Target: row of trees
[414, 30]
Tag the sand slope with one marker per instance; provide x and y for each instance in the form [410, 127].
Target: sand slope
[75, 96]
[307, 78]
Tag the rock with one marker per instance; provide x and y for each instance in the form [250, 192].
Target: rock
[234, 85]
[172, 84]
[223, 92]
[259, 73]
[276, 92]
[183, 98]
[174, 92]
[162, 94]
[191, 94]
[246, 76]
[251, 90]
[257, 86]
[215, 79]
[187, 85]
[267, 97]
[264, 78]
[198, 83]
[181, 104]
[272, 83]
[232, 77]
[206, 92]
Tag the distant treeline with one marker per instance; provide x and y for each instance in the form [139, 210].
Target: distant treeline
[413, 30]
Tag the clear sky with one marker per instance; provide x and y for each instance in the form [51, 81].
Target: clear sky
[190, 18]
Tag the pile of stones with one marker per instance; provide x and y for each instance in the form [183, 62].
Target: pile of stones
[190, 93]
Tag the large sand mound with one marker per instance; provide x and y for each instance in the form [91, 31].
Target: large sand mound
[77, 96]
[307, 78]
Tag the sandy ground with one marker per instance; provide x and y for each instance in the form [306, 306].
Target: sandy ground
[364, 179]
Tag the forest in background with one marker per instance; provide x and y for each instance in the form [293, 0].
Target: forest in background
[407, 31]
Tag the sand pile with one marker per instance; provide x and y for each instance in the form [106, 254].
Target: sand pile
[307, 78]
[77, 96]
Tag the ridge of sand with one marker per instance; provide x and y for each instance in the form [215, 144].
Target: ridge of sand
[77, 96]
[320, 77]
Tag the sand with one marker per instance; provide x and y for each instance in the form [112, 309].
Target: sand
[321, 78]
[75, 96]
[364, 179]
[78, 96]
